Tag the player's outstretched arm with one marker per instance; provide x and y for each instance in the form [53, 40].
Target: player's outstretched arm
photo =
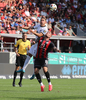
[55, 49]
[27, 28]
[35, 33]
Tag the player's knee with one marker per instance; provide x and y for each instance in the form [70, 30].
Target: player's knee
[45, 72]
[17, 68]
[45, 69]
[36, 71]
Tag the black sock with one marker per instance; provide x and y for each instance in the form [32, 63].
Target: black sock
[38, 77]
[47, 76]
[15, 74]
[21, 77]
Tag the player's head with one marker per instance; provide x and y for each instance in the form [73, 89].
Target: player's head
[24, 35]
[43, 21]
[48, 34]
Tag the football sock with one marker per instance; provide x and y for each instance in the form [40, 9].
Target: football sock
[41, 84]
[38, 78]
[15, 74]
[47, 76]
[26, 62]
[49, 83]
[21, 77]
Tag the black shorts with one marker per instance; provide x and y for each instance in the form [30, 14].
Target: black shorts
[38, 63]
[20, 60]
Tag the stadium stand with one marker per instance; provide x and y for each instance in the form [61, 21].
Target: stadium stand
[15, 14]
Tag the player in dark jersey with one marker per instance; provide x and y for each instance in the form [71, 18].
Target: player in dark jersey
[44, 46]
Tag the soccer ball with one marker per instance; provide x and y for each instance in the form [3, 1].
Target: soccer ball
[53, 7]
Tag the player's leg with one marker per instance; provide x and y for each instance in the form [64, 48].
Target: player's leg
[25, 63]
[33, 76]
[15, 74]
[45, 69]
[32, 52]
[39, 79]
[23, 58]
[17, 68]
[37, 68]
[34, 56]
[21, 77]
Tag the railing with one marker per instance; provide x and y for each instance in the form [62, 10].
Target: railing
[9, 46]
[58, 38]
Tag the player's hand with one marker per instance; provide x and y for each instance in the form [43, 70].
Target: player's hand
[28, 48]
[59, 51]
[17, 54]
[33, 42]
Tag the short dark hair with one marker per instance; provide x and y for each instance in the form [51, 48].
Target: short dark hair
[44, 17]
[23, 33]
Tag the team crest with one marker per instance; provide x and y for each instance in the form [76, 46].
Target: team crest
[44, 30]
[40, 40]
[46, 42]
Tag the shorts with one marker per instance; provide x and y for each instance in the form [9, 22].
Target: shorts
[38, 63]
[33, 49]
[20, 60]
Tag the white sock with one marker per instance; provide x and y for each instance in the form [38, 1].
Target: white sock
[26, 62]
[41, 84]
[49, 83]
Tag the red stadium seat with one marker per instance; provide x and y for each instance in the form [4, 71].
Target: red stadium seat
[10, 32]
[13, 32]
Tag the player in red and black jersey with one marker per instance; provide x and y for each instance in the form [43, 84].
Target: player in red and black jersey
[44, 46]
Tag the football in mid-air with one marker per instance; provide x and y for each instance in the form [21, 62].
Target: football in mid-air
[53, 7]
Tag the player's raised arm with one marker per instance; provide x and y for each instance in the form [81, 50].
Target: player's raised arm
[26, 28]
[35, 33]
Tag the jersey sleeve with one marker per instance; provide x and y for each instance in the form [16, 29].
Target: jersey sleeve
[44, 31]
[17, 43]
[51, 46]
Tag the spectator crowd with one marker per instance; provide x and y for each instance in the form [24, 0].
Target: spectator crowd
[15, 14]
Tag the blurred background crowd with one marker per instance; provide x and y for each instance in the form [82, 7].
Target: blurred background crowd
[15, 14]
[71, 14]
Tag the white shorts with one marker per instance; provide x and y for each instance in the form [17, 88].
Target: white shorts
[33, 49]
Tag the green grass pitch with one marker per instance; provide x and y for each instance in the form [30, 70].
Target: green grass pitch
[63, 89]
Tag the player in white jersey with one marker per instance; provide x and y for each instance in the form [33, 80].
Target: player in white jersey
[41, 30]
